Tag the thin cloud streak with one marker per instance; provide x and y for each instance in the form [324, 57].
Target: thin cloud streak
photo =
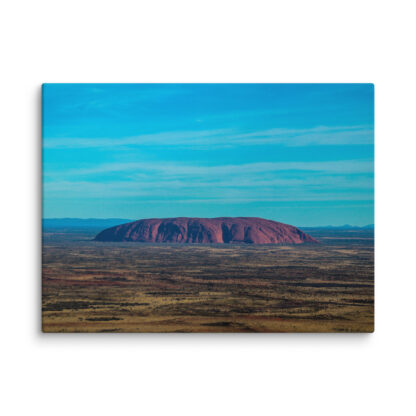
[316, 136]
[176, 170]
[314, 189]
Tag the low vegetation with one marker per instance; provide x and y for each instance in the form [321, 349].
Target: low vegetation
[91, 286]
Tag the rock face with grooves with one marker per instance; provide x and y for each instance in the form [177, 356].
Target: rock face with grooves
[221, 230]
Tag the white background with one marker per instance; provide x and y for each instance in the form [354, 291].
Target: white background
[212, 41]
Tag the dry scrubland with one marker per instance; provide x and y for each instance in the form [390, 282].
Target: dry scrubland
[135, 287]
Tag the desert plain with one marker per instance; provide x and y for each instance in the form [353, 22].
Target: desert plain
[90, 286]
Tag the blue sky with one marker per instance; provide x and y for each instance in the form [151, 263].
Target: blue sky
[297, 153]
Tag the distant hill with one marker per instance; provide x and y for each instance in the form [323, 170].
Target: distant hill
[222, 230]
[77, 223]
[341, 227]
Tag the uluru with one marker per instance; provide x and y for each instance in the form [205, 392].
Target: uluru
[223, 230]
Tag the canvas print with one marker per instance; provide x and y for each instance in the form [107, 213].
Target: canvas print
[208, 208]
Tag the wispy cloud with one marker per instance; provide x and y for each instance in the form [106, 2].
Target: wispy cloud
[280, 181]
[164, 185]
[177, 169]
[176, 192]
[320, 135]
[166, 138]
